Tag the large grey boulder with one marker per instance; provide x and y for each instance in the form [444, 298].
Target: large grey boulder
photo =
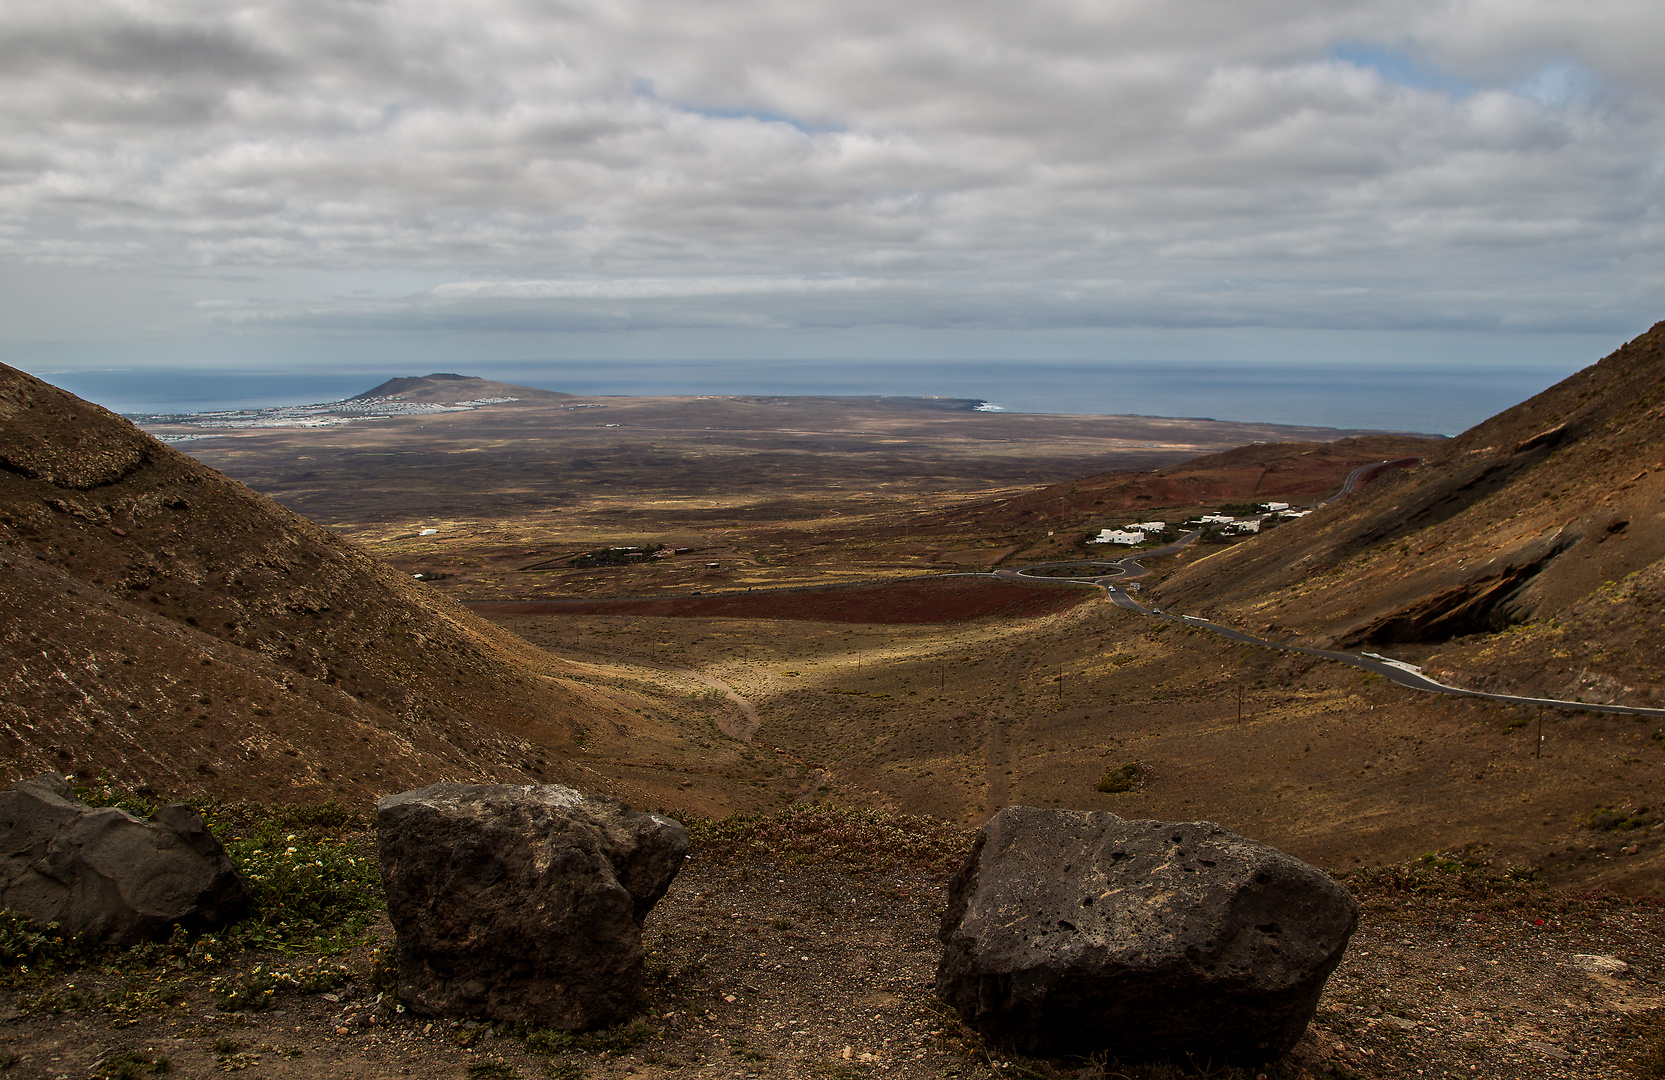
[1077, 932]
[106, 876]
[522, 902]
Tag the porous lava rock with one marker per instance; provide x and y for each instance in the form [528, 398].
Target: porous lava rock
[1081, 932]
[522, 902]
[106, 876]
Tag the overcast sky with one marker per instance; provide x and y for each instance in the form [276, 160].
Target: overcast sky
[323, 181]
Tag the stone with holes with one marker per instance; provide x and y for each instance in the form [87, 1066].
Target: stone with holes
[522, 903]
[1077, 932]
[106, 876]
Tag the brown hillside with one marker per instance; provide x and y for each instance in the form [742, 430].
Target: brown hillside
[171, 627]
[1542, 522]
[1293, 472]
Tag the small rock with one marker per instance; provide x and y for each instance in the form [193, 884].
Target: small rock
[1596, 964]
[1546, 1049]
[1076, 932]
[522, 902]
[1401, 1023]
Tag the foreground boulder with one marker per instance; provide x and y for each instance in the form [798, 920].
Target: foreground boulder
[1077, 932]
[522, 902]
[106, 876]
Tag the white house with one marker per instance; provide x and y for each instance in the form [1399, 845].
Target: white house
[1150, 526]
[1118, 536]
[1216, 519]
[1274, 507]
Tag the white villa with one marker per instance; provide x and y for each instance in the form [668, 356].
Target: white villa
[1118, 536]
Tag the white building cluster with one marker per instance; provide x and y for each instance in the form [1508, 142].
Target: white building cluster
[1134, 534]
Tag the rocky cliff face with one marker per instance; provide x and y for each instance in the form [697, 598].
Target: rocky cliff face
[1526, 551]
[163, 623]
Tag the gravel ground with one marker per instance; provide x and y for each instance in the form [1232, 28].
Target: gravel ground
[756, 970]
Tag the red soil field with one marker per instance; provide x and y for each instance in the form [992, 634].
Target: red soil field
[928, 600]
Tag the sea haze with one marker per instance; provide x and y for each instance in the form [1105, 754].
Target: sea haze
[1443, 399]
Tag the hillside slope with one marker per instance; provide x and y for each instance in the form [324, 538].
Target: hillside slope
[171, 627]
[1524, 554]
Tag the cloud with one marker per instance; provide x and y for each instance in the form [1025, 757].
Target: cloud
[645, 163]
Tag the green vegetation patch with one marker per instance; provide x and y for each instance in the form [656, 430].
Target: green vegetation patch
[313, 894]
[316, 890]
[1461, 875]
[1608, 819]
[1125, 778]
[260, 988]
[843, 836]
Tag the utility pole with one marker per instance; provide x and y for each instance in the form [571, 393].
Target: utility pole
[1540, 750]
[1239, 703]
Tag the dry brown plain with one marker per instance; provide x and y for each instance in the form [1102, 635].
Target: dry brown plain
[774, 490]
[713, 713]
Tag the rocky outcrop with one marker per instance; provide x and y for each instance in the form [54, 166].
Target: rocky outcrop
[106, 876]
[1077, 932]
[522, 902]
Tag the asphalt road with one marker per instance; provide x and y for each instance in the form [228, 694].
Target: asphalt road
[1396, 671]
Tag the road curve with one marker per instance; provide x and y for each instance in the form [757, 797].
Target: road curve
[1396, 671]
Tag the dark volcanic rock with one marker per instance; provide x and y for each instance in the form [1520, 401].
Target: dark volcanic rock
[522, 902]
[106, 876]
[1076, 932]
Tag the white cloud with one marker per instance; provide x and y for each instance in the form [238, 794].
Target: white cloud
[850, 163]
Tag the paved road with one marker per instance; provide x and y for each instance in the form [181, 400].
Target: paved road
[1366, 473]
[1396, 671]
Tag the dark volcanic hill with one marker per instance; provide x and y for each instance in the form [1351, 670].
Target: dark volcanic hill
[443, 388]
[1524, 554]
[166, 625]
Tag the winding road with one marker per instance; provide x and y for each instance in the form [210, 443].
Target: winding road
[1117, 571]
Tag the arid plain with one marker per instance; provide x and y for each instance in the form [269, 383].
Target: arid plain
[859, 698]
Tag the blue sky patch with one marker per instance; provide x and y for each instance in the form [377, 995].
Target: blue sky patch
[1396, 67]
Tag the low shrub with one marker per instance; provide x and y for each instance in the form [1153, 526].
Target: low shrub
[1607, 819]
[1125, 778]
[259, 988]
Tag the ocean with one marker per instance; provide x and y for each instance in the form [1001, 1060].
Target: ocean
[1436, 399]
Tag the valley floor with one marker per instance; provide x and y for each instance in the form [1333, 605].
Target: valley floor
[758, 969]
